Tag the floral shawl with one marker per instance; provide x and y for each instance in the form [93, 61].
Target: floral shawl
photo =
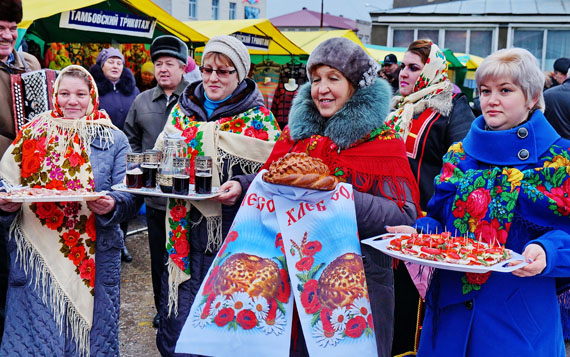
[56, 240]
[485, 200]
[245, 139]
[431, 90]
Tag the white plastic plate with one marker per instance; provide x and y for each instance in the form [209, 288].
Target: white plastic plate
[382, 242]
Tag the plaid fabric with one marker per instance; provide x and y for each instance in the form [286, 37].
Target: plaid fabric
[282, 102]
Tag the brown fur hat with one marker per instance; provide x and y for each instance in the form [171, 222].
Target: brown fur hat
[11, 10]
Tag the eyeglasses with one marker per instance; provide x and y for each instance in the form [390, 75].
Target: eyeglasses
[222, 73]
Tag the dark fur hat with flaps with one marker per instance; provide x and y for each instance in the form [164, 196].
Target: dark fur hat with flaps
[347, 57]
[11, 10]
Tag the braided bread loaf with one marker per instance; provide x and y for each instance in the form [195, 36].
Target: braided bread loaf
[300, 170]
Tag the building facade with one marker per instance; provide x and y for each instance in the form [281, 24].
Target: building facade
[481, 27]
[188, 10]
[308, 20]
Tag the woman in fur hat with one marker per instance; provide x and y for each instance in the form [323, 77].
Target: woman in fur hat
[430, 118]
[116, 84]
[117, 91]
[63, 295]
[339, 117]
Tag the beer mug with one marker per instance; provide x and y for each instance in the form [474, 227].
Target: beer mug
[181, 177]
[149, 168]
[134, 172]
[203, 175]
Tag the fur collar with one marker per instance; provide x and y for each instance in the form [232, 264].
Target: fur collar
[362, 113]
[126, 84]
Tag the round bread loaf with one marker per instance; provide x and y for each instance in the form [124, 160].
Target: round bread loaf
[300, 170]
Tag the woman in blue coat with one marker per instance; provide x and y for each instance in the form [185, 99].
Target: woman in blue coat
[63, 295]
[507, 182]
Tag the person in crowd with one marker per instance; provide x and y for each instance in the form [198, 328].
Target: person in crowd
[560, 73]
[550, 80]
[224, 117]
[506, 183]
[192, 72]
[145, 121]
[117, 91]
[339, 117]
[557, 101]
[11, 61]
[391, 71]
[145, 77]
[63, 295]
[430, 117]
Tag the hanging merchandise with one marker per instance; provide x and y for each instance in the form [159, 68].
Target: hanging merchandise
[266, 75]
[296, 70]
[283, 100]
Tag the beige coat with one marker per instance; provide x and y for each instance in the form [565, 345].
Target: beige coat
[7, 127]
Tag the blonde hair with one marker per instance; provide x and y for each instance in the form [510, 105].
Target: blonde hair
[520, 66]
[219, 58]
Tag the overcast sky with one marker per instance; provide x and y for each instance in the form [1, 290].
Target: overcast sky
[352, 9]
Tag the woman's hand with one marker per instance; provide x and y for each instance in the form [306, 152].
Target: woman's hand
[536, 255]
[400, 229]
[102, 205]
[230, 197]
[9, 206]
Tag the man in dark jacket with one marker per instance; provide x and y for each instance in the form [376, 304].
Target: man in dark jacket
[557, 100]
[11, 62]
[144, 122]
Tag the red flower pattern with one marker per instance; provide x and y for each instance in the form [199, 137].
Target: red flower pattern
[77, 254]
[182, 247]
[355, 327]
[224, 316]
[305, 263]
[284, 287]
[71, 238]
[178, 212]
[55, 221]
[309, 298]
[246, 319]
[311, 248]
[489, 232]
[478, 203]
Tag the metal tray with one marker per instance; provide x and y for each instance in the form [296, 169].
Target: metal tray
[156, 192]
[382, 242]
[56, 198]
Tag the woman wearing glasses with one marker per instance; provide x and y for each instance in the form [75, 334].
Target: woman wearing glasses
[222, 116]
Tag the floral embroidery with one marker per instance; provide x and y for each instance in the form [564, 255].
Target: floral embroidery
[261, 307]
[485, 200]
[77, 235]
[330, 322]
[473, 281]
[178, 246]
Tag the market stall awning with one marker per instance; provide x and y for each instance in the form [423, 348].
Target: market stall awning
[472, 62]
[43, 17]
[308, 40]
[259, 35]
[379, 52]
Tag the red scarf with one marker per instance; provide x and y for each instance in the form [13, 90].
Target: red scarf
[369, 164]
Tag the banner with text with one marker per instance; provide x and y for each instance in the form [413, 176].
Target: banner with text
[108, 21]
[252, 41]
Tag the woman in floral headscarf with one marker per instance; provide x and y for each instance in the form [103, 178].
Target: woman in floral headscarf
[430, 118]
[507, 182]
[63, 295]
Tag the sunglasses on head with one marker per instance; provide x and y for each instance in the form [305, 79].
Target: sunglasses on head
[222, 73]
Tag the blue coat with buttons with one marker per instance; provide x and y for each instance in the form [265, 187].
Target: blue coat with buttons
[30, 328]
[509, 315]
